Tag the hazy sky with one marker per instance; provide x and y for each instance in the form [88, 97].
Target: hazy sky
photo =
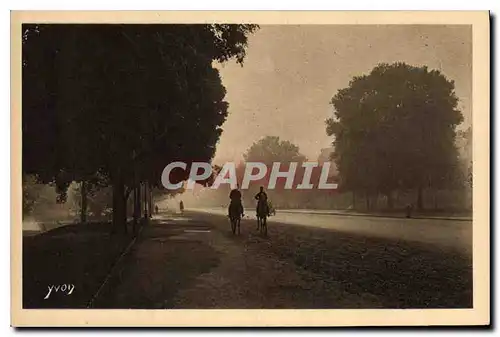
[291, 73]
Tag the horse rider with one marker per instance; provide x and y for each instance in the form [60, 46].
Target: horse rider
[262, 197]
[235, 197]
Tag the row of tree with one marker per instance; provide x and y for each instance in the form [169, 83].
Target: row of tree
[395, 129]
[112, 105]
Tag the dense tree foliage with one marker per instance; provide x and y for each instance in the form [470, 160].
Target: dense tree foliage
[466, 138]
[272, 149]
[394, 129]
[114, 104]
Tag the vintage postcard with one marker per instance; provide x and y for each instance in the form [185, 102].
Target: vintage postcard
[214, 169]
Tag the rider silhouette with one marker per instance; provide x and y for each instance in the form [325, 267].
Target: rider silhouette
[235, 197]
[261, 197]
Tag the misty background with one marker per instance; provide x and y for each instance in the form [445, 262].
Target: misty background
[291, 73]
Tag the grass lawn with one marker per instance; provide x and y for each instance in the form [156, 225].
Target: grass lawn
[78, 256]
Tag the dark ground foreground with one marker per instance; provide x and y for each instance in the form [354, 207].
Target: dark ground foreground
[193, 261]
[75, 255]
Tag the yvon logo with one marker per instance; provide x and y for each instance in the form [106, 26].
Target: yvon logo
[63, 288]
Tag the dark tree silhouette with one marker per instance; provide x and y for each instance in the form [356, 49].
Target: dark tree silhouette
[272, 149]
[395, 129]
[113, 104]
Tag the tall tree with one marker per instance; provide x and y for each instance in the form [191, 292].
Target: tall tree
[395, 129]
[122, 101]
[272, 149]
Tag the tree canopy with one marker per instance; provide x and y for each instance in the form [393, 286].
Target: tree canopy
[272, 149]
[116, 103]
[395, 128]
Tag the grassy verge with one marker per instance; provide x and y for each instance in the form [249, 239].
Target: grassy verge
[78, 256]
[158, 267]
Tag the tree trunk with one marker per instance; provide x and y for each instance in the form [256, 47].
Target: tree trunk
[146, 201]
[354, 199]
[119, 205]
[150, 200]
[390, 201]
[436, 200]
[137, 201]
[83, 211]
[367, 198]
[137, 210]
[420, 197]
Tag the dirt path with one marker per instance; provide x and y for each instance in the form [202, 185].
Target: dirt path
[199, 264]
[350, 270]
[248, 276]
[195, 262]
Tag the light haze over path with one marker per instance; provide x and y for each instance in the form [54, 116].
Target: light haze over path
[291, 73]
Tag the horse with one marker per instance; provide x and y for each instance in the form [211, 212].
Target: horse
[235, 217]
[262, 213]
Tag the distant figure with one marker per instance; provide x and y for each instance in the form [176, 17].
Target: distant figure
[409, 208]
[181, 206]
[156, 209]
[235, 197]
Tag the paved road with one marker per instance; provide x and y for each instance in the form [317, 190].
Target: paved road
[194, 261]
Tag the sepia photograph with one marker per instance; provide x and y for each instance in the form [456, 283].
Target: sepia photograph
[293, 169]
